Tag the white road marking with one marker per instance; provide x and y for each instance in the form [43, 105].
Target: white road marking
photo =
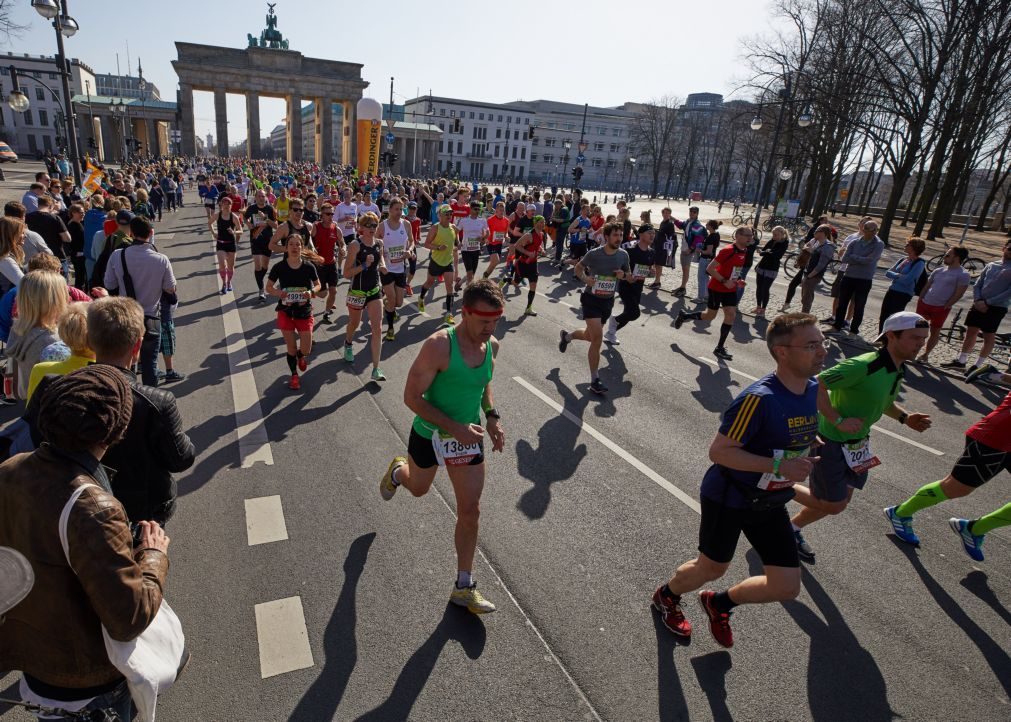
[556, 300]
[282, 637]
[681, 496]
[252, 434]
[265, 520]
[887, 432]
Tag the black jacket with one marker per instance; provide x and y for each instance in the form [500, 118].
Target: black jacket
[154, 447]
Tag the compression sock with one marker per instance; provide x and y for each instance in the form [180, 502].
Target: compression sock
[292, 361]
[723, 603]
[389, 319]
[531, 295]
[259, 275]
[993, 520]
[926, 495]
[449, 303]
[594, 376]
[724, 332]
[463, 579]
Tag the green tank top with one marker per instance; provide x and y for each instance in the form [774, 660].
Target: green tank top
[444, 236]
[458, 390]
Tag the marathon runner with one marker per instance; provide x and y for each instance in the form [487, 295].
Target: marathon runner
[664, 241]
[498, 228]
[363, 266]
[759, 454]
[852, 396]
[521, 223]
[227, 229]
[412, 257]
[641, 258]
[346, 217]
[441, 242]
[282, 204]
[292, 226]
[448, 386]
[293, 281]
[600, 269]
[329, 243]
[473, 233]
[579, 235]
[262, 222]
[724, 277]
[527, 251]
[987, 452]
[397, 238]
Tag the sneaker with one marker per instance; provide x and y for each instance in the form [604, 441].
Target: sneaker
[263, 296]
[294, 384]
[450, 321]
[471, 598]
[972, 544]
[173, 375]
[378, 375]
[804, 549]
[7, 400]
[671, 614]
[396, 316]
[597, 387]
[719, 622]
[563, 343]
[954, 364]
[721, 353]
[228, 288]
[612, 339]
[326, 317]
[655, 285]
[386, 486]
[390, 335]
[827, 319]
[980, 373]
[902, 526]
[408, 291]
[784, 307]
[303, 363]
[224, 290]
[679, 321]
[530, 312]
[679, 292]
[349, 353]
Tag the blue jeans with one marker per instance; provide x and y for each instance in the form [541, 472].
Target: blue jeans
[703, 277]
[118, 701]
[150, 347]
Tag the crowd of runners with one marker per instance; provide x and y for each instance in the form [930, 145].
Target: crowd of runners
[324, 237]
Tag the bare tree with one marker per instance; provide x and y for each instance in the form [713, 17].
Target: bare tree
[652, 133]
[9, 29]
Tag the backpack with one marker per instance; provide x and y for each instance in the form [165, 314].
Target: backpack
[920, 282]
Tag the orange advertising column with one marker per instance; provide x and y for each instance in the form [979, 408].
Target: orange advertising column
[370, 125]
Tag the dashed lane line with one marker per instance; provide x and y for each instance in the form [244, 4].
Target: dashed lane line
[282, 637]
[265, 520]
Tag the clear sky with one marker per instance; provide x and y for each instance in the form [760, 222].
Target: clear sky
[600, 52]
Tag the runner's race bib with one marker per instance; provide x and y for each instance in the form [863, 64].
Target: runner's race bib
[348, 225]
[295, 296]
[773, 482]
[735, 274]
[582, 235]
[397, 253]
[859, 456]
[668, 246]
[604, 285]
[498, 236]
[472, 244]
[640, 272]
[356, 300]
[450, 452]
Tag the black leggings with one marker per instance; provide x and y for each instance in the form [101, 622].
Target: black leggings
[763, 287]
[630, 295]
[893, 302]
[794, 285]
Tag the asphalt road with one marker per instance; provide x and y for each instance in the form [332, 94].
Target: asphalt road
[586, 511]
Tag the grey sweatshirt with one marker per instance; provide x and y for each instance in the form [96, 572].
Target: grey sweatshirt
[861, 258]
[26, 352]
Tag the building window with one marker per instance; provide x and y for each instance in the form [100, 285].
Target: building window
[459, 148]
[523, 153]
[599, 147]
[52, 76]
[548, 158]
[550, 142]
[33, 146]
[452, 113]
[472, 115]
[616, 132]
[40, 94]
[533, 157]
[595, 162]
[480, 116]
[496, 151]
[498, 132]
[442, 146]
[601, 130]
[500, 119]
[570, 126]
[610, 163]
[552, 125]
[28, 120]
[43, 118]
[526, 121]
[442, 127]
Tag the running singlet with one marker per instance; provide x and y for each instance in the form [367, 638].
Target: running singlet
[326, 242]
[345, 215]
[731, 261]
[297, 283]
[281, 206]
[861, 387]
[994, 429]
[258, 217]
[303, 231]
[582, 231]
[458, 390]
[394, 246]
[771, 421]
[368, 279]
[472, 230]
[537, 240]
[415, 227]
[498, 229]
[226, 229]
[444, 236]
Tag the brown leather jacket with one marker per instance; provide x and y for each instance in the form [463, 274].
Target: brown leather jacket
[55, 634]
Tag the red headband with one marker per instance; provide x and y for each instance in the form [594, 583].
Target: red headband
[483, 314]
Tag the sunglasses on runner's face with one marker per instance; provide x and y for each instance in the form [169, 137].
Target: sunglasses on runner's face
[297, 210]
[369, 225]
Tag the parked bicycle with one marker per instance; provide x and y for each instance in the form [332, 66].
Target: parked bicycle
[971, 264]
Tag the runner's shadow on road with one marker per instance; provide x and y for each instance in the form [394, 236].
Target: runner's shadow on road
[711, 671]
[671, 704]
[978, 583]
[556, 458]
[456, 625]
[340, 644]
[992, 650]
[713, 387]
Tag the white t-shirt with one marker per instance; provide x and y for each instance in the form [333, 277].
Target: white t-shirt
[944, 281]
[345, 215]
[473, 229]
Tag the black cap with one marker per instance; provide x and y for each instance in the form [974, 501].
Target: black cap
[645, 228]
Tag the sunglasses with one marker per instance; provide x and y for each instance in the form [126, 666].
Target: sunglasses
[370, 225]
[297, 210]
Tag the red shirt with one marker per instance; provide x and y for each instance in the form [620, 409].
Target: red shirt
[326, 241]
[994, 429]
[415, 228]
[537, 240]
[728, 259]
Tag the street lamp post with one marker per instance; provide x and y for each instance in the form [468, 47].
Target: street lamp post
[567, 144]
[56, 10]
[630, 174]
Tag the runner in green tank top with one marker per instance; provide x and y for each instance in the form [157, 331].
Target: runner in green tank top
[448, 386]
[441, 241]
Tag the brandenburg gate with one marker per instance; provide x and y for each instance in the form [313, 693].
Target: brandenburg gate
[268, 68]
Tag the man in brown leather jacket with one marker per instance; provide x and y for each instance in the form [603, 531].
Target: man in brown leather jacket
[54, 636]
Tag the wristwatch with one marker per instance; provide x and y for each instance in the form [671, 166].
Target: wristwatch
[492, 414]
[902, 418]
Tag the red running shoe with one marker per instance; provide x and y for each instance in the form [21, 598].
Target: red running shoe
[303, 363]
[719, 622]
[408, 291]
[294, 384]
[671, 614]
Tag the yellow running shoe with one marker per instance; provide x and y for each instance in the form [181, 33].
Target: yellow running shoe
[450, 321]
[386, 486]
[471, 598]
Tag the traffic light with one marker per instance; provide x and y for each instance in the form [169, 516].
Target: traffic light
[577, 173]
[393, 158]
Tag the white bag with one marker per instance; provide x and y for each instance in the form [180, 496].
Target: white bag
[151, 661]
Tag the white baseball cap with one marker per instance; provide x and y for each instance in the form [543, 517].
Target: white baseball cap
[902, 321]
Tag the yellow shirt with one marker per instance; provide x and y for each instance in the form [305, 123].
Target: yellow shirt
[281, 208]
[60, 368]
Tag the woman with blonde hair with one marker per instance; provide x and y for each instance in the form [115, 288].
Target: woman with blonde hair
[12, 252]
[42, 298]
[73, 330]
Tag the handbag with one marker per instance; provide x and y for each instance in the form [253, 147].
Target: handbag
[150, 662]
[802, 258]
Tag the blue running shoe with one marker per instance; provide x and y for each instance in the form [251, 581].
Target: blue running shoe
[902, 526]
[972, 544]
